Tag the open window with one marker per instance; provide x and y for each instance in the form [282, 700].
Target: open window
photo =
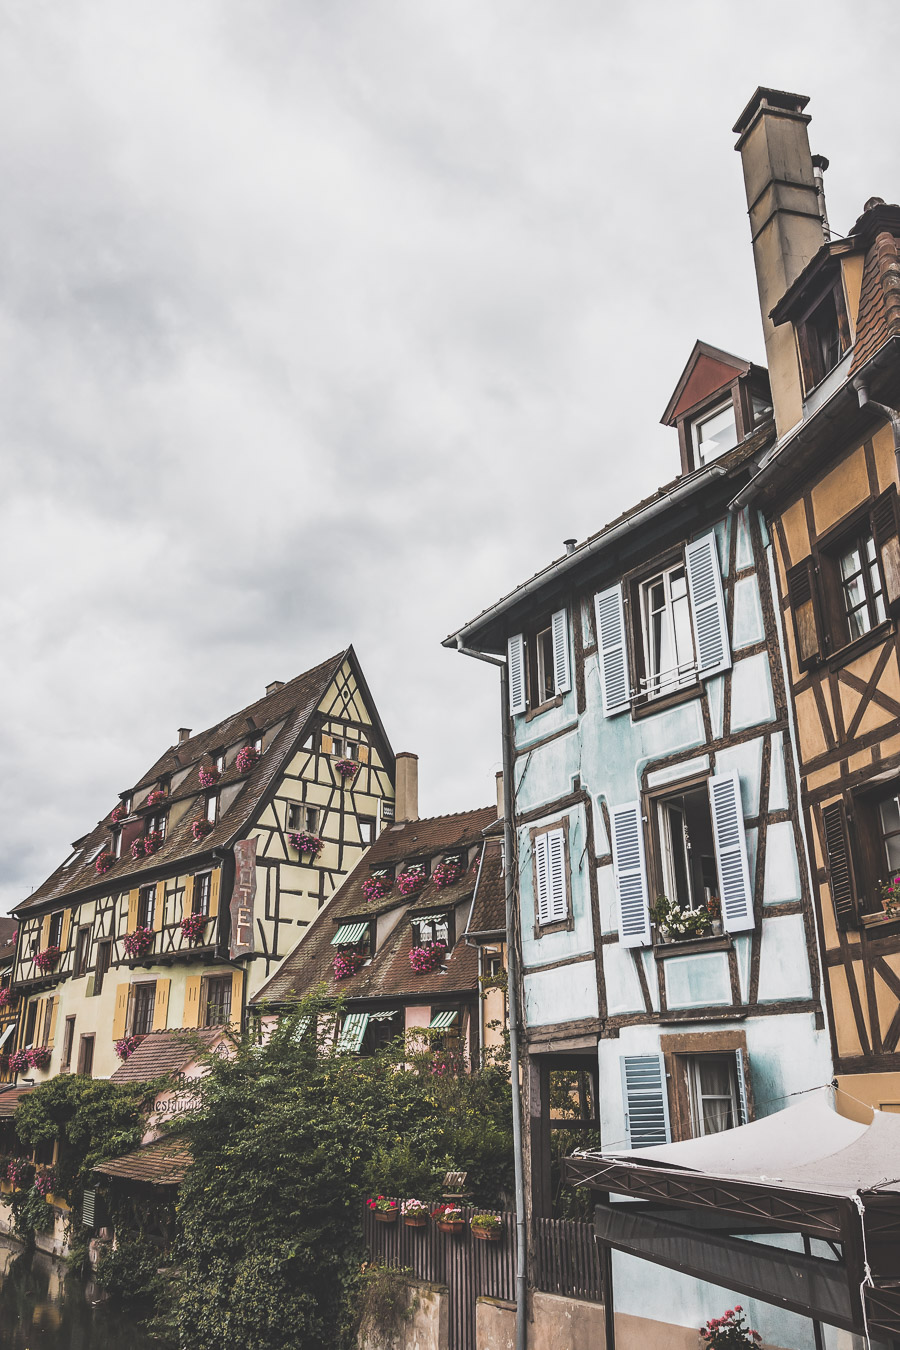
[687, 858]
[823, 334]
[539, 664]
[82, 949]
[146, 906]
[382, 1029]
[433, 928]
[708, 1082]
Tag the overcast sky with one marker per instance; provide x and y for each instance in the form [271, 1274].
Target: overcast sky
[327, 322]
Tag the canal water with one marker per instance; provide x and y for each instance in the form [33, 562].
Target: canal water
[43, 1307]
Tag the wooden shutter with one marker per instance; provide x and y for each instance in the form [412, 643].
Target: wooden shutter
[515, 659]
[51, 1030]
[133, 899]
[159, 908]
[362, 753]
[550, 874]
[237, 985]
[701, 557]
[45, 932]
[801, 589]
[840, 864]
[120, 1016]
[562, 675]
[326, 743]
[191, 1016]
[187, 903]
[735, 891]
[887, 540]
[612, 650]
[214, 880]
[740, 1071]
[646, 1100]
[66, 930]
[38, 1022]
[161, 1005]
[89, 987]
[631, 875]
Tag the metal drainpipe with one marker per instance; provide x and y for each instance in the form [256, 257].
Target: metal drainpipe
[892, 415]
[512, 988]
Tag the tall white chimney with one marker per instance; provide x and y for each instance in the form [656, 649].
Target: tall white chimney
[407, 786]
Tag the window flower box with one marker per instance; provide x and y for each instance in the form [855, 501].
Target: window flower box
[347, 962]
[47, 959]
[156, 797]
[449, 1219]
[127, 1046]
[446, 874]
[38, 1056]
[152, 842]
[45, 1181]
[410, 881]
[428, 957]
[376, 888]
[118, 813]
[19, 1171]
[385, 1210]
[139, 942]
[104, 862]
[200, 828]
[674, 924]
[310, 845]
[209, 777]
[137, 848]
[5, 998]
[415, 1213]
[486, 1227]
[193, 925]
[247, 758]
[347, 768]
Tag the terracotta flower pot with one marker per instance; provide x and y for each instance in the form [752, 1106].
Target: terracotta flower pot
[487, 1234]
[415, 1220]
[385, 1215]
[451, 1225]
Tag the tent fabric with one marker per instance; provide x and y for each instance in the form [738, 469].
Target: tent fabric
[443, 1019]
[350, 932]
[807, 1147]
[352, 1032]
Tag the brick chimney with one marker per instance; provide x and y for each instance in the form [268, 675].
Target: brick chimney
[184, 734]
[785, 226]
[407, 789]
[274, 687]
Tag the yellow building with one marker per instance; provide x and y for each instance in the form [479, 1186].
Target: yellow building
[180, 904]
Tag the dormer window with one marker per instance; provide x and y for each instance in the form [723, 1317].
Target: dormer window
[718, 402]
[715, 433]
[823, 335]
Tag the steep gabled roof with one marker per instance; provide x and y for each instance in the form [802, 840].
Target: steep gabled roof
[389, 973]
[163, 1163]
[708, 369]
[285, 714]
[488, 913]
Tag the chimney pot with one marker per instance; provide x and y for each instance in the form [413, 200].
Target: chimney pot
[184, 734]
[407, 786]
[274, 687]
[570, 545]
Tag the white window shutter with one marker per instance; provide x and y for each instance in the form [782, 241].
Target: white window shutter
[631, 875]
[559, 900]
[646, 1100]
[613, 650]
[515, 654]
[743, 1113]
[562, 675]
[542, 877]
[736, 892]
[704, 580]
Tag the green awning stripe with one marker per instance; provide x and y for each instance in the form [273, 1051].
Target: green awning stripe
[444, 1019]
[352, 1032]
[349, 932]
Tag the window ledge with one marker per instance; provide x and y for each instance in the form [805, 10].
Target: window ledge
[888, 921]
[688, 946]
[561, 926]
[556, 702]
[851, 650]
[644, 706]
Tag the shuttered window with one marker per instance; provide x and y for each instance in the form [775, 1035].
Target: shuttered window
[631, 875]
[736, 892]
[701, 558]
[612, 651]
[840, 864]
[561, 669]
[646, 1100]
[515, 655]
[352, 1032]
[805, 612]
[550, 877]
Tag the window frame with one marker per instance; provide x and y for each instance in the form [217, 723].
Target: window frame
[68, 1044]
[86, 1055]
[54, 933]
[146, 906]
[135, 995]
[652, 801]
[201, 894]
[218, 980]
[642, 704]
[678, 1050]
[82, 950]
[429, 918]
[102, 963]
[812, 368]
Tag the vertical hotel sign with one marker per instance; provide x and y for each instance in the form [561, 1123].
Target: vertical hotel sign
[242, 898]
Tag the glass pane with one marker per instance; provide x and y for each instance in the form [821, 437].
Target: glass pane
[684, 638]
[851, 563]
[890, 815]
[893, 853]
[716, 434]
[859, 621]
[870, 549]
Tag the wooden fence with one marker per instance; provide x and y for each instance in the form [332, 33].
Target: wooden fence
[567, 1261]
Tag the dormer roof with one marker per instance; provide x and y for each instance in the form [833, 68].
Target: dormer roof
[708, 369]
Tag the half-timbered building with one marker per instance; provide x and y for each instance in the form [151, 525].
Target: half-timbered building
[8, 999]
[186, 898]
[831, 320]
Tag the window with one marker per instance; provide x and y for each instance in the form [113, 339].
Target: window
[367, 829]
[212, 807]
[143, 1002]
[104, 959]
[218, 1001]
[714, 433]
[126, 802]
[68, 1043]
[202, 887]
[432, 928]
[220, 761]
[157, 824]
[539, 664]
[312, 819]
[861, 589]
[543, 686]
[713, 1090]
[668, 640]
[257, 744]
[146, 906]
[48, 1020]
[300, 817]
[82, 949]
[86, 1056]
[687, 850]
[55, 929]
[823, 336]
[30, 1021]
[294, 815]
[550, 872]
[381, 1030]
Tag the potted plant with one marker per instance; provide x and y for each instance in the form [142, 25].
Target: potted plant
[104, 862]
[428, 957]
[246, 759]
[127, 1046]
[347, 961]
[409, 882]
[310, 845]
[449, 1218]
[20, 1172]
[38, 1056]
[5, 997]
[137, 848]
[446, 874]
[209, 777]
[47, 959]
[487, 1227]
[890, 897]
[156, 797]
[415, 1213]
[45, 1181]
[118, 813]
[675, 924]
[347, 768]
[729, 1332]
[385, 1210]
[152, 841]
[18, 1062]
[200, 828]
[377, 886]
[139, 942]
[193, 925]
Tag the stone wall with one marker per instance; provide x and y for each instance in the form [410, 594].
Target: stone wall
[427, 1329]
[554, 1322]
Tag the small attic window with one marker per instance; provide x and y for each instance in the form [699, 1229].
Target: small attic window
[823, 336]
[715, 432]
[71, 858]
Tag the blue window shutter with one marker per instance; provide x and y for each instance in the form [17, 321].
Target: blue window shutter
[704, 579]
[736, 893]
[559, 900]
[646, 1100]
[542, 877]
[562, 676]
[612, 649]
[515, 655]
[631, 875]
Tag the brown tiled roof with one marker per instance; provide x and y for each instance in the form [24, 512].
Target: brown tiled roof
[285, 712]
[10, 1098]
[878, 317]
[163, 1052]
[389, 973]
[489, 903]
[164, 1163]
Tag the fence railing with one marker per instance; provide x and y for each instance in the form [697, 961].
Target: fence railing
[567, 1259]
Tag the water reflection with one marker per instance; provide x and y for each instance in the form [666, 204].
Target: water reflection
[43, 1307]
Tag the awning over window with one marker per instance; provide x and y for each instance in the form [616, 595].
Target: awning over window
[384, 1016]
[349, 932]
[444, 1019]
[352, 1032]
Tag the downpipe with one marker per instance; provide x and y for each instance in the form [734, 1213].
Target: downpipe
[892, 415]
[512, 990]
